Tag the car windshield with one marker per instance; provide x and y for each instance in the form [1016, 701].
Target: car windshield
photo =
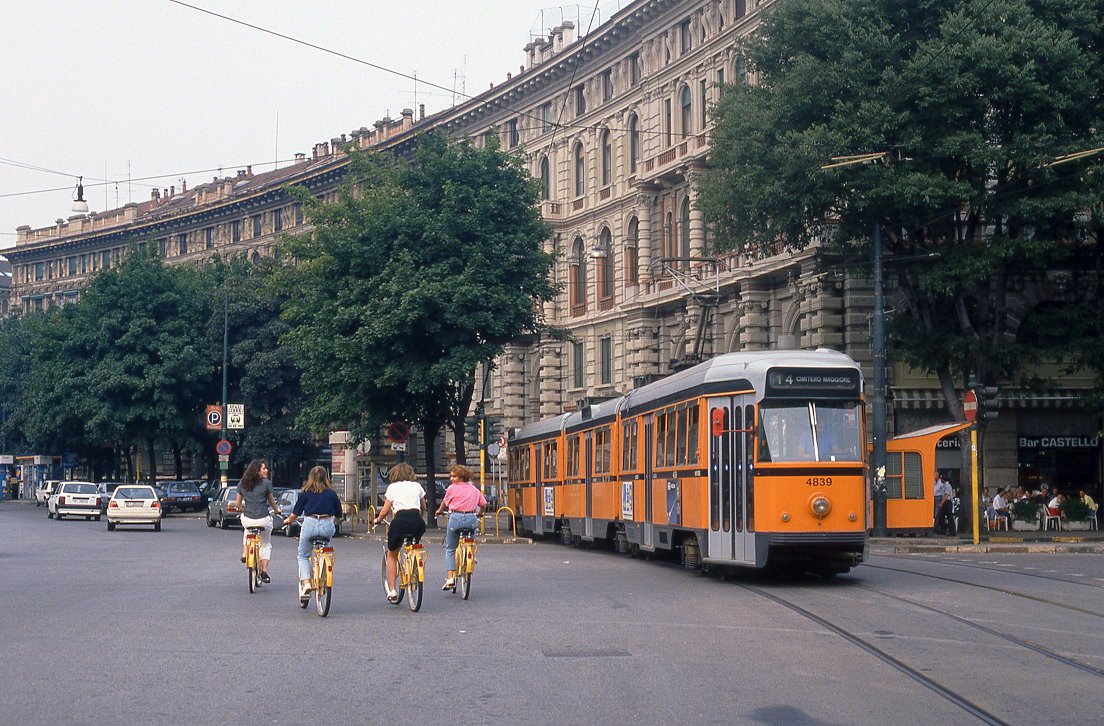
[180, 487]
[229, 493]
[289, 497]
[134, 493]
[79, 488]
[108, 488]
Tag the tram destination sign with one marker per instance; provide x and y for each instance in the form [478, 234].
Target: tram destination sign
[813, 383]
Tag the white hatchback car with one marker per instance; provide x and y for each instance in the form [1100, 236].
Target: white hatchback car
[76, 498]
[44, 490]
[134, 504]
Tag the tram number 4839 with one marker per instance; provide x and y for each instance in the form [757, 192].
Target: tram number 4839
[819, 481]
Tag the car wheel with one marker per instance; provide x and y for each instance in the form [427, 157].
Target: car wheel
[223, 524]
[110, 526]
[58, 516]
[210, 522]
[49, 514]
[97, 518]
[157, 526]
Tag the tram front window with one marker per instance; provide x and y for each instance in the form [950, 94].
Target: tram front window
[786, 432]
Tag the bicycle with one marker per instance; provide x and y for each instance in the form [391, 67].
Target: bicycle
[253, 557]
[410, 575]
[321, 575]
[465, 561]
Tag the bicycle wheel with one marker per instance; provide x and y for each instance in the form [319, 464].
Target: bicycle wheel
[414, 584]
[251, 575]
[383, 576]
[463, 573]
[322, 599]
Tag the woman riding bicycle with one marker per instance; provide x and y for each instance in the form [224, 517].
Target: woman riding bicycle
[406, 498]
[320, 508]
[255, 489]
[466, 504]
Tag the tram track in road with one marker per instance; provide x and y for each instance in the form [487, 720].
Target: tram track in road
[912, 673]
[1001, 590]
[1034, 647]
[1002, 570]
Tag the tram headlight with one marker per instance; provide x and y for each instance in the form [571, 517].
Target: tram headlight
[820, 505]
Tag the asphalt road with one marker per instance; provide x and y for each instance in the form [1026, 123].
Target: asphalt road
[134, 626]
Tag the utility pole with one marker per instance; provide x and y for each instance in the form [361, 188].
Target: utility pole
[225, 356]
[878, 406]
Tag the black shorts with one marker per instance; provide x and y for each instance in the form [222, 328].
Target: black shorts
[406, 522]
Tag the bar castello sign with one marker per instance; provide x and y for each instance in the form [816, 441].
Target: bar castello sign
[1059, 442]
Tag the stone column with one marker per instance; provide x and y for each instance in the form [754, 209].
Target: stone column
[697, 219]
[512, 364]
[754, 323]
[644, 203]
[550, 374]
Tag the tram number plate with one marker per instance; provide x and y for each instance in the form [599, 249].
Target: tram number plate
[819, 481]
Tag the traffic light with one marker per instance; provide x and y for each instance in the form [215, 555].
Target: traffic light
[471, 430]
[988, 402]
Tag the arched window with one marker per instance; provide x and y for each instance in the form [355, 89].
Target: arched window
[546, 178]
[604, 255]
[634, 142]
[256, 257]
[607, 159]
[578, 276]
[580, 170]
[632, 246]
[685, 110]
[670, 244]
[684, 229]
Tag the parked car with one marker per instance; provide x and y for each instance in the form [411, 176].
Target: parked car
[221, 510]
[181, 496]
[77, 498]
[286, 499]
[134, 504]
[105, 489]
[44, 490]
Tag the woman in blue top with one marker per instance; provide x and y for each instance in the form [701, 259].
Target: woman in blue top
[320, 508]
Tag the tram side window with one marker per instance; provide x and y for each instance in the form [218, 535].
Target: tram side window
[660, 439]
[519, 464]
[602, 450]
[628, 446]
[669, 446]
[550, 467]
[680, 435]
[573, 456]
[692, 434]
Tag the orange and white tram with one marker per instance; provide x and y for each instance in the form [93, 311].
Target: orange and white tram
[747, 459]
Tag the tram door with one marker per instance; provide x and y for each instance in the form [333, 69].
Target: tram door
[588, 472]
[730, 442]
[649, 528]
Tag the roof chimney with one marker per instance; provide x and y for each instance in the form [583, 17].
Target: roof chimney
[567, 33]
[421, 111]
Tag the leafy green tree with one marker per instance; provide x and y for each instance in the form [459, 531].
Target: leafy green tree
[142, 325]
[421, 270]
[971, 99]
[263, 372]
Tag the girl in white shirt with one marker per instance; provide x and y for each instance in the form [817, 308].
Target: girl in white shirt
[406, 498]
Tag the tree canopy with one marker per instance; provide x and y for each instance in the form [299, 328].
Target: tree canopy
[422, 269]
[970, 100]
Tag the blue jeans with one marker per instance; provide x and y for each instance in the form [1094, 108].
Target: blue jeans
[456, 523]
[311, 528]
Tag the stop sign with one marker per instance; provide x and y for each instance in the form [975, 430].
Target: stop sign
[969, 405]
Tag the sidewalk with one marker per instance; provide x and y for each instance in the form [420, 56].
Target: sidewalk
[1038, 542]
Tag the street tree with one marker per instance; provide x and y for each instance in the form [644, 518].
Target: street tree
[420, 271]
[263, 372]
[970, 100]
[142, 325]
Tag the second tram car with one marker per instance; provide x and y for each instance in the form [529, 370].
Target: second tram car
[747, 459]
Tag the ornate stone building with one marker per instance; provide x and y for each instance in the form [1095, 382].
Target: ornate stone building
[616, 127]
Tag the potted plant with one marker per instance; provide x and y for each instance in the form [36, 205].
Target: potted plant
[1076, 513]
[1025, 514]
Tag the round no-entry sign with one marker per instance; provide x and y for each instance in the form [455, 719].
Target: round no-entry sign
[223, 448]
[398, 432]
[969, 405]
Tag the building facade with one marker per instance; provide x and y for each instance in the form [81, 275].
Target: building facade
[616, 127]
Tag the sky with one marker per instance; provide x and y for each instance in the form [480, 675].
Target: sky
[131, 89]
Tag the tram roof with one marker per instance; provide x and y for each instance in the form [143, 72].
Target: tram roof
[731, 371]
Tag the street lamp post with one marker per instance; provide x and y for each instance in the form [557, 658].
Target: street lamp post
[225, 356]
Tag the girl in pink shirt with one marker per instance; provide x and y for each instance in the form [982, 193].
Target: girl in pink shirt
[466, 503]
